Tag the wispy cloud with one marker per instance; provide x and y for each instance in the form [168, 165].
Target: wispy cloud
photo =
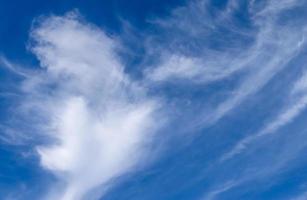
[99, 119]
[254, 55]
[99, 122]
[286, 116]
[226, 186]
[14, 68]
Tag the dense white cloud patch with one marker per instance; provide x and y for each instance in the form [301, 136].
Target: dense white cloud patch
[100, 120]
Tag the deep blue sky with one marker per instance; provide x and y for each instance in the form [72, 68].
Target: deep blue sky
[229, 78]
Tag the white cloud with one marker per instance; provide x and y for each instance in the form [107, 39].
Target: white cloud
[175, 66]
[99, 119]
[12, 67]
[226, 186]
[273, 46]
[285, 116]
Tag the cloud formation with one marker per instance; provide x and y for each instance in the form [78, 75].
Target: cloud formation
[287, 115]
[204, 49]
[99, 120]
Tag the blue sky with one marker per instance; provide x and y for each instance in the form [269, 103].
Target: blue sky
[147, 100]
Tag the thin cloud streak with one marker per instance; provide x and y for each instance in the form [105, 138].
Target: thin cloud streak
[273, 47]
[281, 45]
[286, 116]
[4, 62]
